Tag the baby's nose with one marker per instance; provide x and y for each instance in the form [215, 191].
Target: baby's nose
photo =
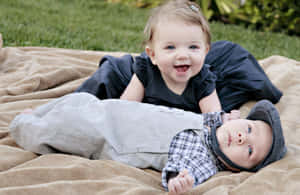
[182, 56]
[182, 53]
[241, 138]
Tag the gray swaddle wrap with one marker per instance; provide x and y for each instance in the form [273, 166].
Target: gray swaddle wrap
[134, 133]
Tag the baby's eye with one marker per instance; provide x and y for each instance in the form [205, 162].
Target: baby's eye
[250, 150]
[170, 47]
[249, 129]
[194, 47]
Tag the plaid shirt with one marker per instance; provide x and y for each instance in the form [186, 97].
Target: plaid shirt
[191, 149]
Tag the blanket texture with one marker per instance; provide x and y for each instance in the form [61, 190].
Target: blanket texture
[31, 76]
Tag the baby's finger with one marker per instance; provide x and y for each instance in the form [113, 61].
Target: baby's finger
[185, 186]
[171, 187]
[178, 186]
[171, 190]
[183, 181]
[190, 180]
[235, 112]
[184, 172]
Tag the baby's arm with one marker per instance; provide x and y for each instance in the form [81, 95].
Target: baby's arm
[210, 103]
[134, 91]
[182, 183]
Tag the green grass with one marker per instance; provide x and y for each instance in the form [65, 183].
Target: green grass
[96, 25]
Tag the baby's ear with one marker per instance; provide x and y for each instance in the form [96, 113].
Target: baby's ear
[207, 49]
[150, 52]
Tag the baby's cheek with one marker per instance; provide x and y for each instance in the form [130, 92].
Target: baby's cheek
[237, 154]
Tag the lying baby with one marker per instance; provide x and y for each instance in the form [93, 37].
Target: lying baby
[188, 148]
[237, 145]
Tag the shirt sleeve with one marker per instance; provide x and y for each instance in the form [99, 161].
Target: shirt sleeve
[188, 152]
[141, 70]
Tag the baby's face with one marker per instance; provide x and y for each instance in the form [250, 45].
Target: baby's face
[178, 49]
[245, 142]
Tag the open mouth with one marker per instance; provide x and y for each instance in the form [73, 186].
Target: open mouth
[181, 68]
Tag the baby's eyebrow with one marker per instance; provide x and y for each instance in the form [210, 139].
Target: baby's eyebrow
[196, 41]
[168, 43]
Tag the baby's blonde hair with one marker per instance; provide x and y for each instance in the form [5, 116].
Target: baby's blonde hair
[177, 9]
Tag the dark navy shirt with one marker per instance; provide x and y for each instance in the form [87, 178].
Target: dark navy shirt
[157, 92]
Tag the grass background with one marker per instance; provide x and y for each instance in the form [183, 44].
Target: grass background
[97, 25]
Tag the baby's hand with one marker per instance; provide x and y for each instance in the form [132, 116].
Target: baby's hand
[234, 114]
[182, 183]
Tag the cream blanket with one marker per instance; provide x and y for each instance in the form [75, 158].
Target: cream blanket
[31, 76]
